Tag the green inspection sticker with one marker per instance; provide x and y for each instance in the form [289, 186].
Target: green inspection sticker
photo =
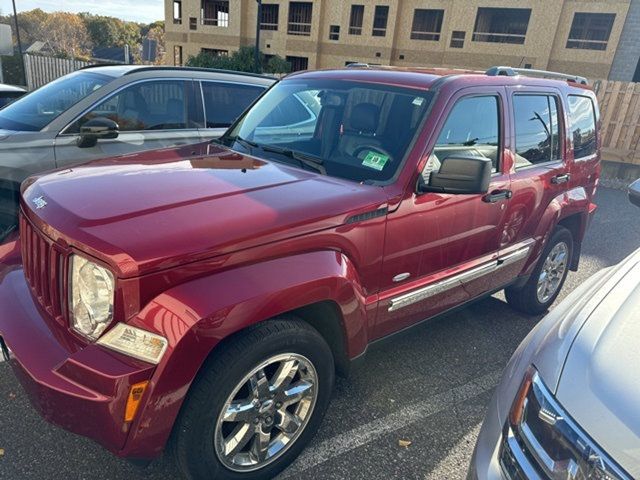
[375, 160]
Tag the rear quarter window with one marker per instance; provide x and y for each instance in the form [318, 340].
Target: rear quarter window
[582, 117]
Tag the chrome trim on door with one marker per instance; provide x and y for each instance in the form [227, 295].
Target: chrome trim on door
[514, 257]
[460, 279]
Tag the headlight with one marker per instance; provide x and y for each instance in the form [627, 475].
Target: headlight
[90, 297]
[541, 440]
[135, 342]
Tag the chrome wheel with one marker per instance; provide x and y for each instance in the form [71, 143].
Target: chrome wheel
[266, 412]
[553, 270]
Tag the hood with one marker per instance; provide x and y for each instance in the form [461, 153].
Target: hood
[155, 210]
[600, 383]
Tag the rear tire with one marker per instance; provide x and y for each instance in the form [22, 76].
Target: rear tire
[277, 360]
[547, 278]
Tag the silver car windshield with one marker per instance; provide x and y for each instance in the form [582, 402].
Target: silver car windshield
[36, 110]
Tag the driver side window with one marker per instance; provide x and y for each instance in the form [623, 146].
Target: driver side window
[472, 129]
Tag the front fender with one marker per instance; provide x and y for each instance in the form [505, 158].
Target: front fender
[196, 316]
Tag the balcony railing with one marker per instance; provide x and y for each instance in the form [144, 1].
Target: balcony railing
[425, 36]
[295, 28]
[587, 44]
[498, 37]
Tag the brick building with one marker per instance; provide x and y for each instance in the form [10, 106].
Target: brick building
[576, 36]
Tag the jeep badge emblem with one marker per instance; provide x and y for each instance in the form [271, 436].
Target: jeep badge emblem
[39, 202]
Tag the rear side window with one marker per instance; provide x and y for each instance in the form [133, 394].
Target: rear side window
[583, 126]
[224, 102]
[537, 129]
[472, 129]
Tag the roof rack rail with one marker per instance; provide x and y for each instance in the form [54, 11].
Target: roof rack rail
[358, 65]
[143, 68]
[513, 72]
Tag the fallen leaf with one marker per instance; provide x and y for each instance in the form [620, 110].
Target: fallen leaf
[404, 443]
[12, 395]
[1, 452]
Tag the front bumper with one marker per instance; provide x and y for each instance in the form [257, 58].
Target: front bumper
[82, 388]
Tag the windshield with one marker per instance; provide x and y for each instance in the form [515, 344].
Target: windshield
[353, 130]
[36, 110]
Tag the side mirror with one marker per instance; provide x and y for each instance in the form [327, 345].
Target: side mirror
[634, 193]
[460, 175]
[96, 129]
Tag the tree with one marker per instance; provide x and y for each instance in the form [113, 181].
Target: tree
[68, 34]
[155, 31]
[241, 60]
[277, 64]
[111, 32]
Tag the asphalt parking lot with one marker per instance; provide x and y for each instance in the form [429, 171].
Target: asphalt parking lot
[428, 387]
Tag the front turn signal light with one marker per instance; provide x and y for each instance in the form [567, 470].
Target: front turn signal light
[133, 401]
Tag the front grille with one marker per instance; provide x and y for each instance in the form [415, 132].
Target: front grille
[43, 267]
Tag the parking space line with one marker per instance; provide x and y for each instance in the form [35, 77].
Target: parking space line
[357, 437]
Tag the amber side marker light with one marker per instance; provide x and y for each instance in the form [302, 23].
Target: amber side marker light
[133, 401]
[517, 409]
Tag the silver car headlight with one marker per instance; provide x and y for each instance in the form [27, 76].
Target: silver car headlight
[91, 292]
[542, 441]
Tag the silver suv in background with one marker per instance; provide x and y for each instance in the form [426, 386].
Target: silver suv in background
[104, 111]
[567, 405]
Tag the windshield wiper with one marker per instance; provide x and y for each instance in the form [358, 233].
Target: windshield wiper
[301, 158]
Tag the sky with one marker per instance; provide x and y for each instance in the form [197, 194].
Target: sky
[145, 11]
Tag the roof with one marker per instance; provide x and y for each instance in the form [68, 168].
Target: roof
[430, 78]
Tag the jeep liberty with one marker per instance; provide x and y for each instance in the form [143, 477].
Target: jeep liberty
[202, 298]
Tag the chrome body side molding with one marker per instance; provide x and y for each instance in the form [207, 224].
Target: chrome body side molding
[460, 279]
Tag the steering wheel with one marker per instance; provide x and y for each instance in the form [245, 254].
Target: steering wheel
[371, 148]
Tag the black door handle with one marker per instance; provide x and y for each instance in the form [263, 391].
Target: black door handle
[562, 178]
[497, 195]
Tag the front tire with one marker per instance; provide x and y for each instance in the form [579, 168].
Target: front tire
[547, 278]
[256, 403]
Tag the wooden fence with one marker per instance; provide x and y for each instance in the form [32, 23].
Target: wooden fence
[620, 111]
[41, 69]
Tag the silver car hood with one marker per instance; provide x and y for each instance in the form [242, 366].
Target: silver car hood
[599, 385]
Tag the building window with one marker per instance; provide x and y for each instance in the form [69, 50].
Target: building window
[193, 23]
[177, 55]
[457, 39]
[427, 24]
[300, 18]
[215, 12]
[380, 18]
[177, 12]
[298, 63]
[590, 31]
[356, 19]
[334, 32]
[501, 25]
[215, 52]
[270, 14]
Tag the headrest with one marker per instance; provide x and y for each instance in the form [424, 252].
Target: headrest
[365, 117]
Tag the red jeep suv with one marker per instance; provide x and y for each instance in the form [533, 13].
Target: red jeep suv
[203, 297]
